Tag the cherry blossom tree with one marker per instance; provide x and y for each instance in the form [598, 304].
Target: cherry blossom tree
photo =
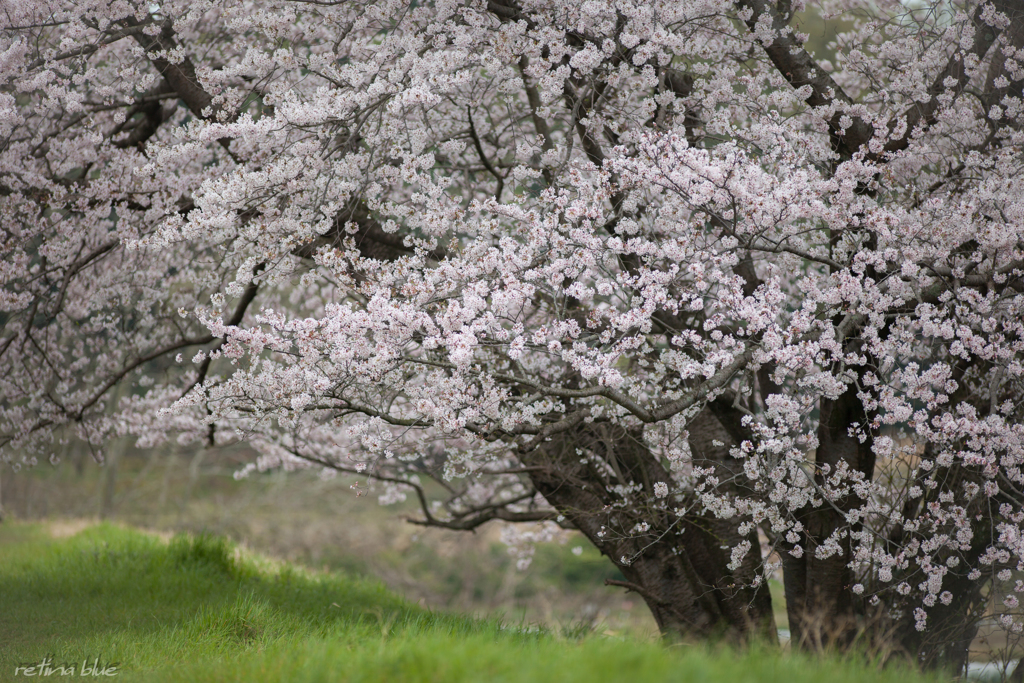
[650, 270]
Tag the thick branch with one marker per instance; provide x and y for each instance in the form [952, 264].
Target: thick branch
[181, 75]
[369, 237]
[107, 39]
[800, 69]
[236, 318]
[483, 157]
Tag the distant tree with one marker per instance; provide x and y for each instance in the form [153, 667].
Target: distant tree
[644, 269]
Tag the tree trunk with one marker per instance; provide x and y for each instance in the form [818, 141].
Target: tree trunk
[679, 564]
[945, 644]
[819, 602]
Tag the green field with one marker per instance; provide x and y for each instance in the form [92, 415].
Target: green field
[198, 609]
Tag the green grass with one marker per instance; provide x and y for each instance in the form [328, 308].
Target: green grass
[195, 609]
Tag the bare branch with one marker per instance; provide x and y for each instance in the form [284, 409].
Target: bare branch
[483, 157]
[107, 39]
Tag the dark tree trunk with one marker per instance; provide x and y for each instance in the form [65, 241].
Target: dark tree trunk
[945, 644]
[821, 607]
[819, 602]
[679, 564]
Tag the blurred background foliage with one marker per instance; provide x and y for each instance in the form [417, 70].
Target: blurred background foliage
[328, 524]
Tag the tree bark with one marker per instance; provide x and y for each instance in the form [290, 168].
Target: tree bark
[678, 565]
[819, 602]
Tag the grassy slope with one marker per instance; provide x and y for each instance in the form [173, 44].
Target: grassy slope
[195, 610]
